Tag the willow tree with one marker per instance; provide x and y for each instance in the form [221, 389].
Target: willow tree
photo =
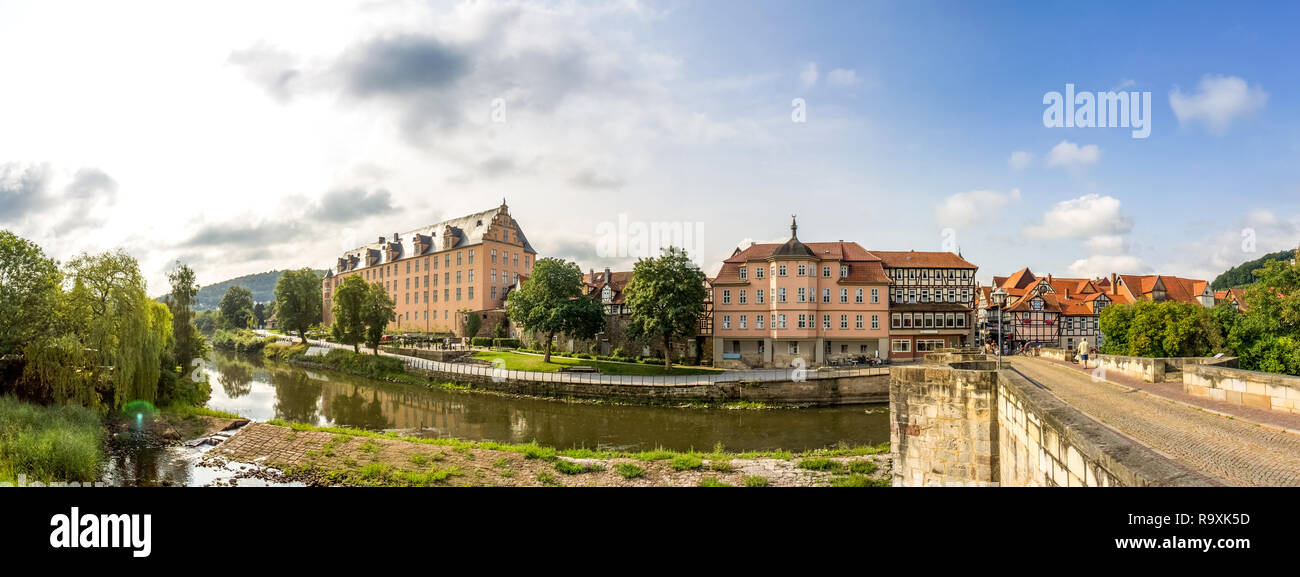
[29, 293]
[121, 336]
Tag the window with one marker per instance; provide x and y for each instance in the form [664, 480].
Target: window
[758, 272]
[471, 275]
[742, 321]
[794, 347]
[761, 347]
[907, 320]
[743, 272]
[826, 271]
[803, 294]
[726, 321]
[459, 254]
[925, 295]
[470, 293]
[896, 321]
[758, 322]
[494, 256]
[803, 321]
[857, 322]
[826, 295]
[875, 296]
[902, 346]
[743, 298]
[780, 321]
[844, 295]
[780, 295]
[844, 271]
[780, 270]
[857, 296]
[760, 294]
[726, 297]
[803, 270]
[911, 295]
[844, 321]
[458, 277]
[515, 259]
[875, 322]
[826, 322]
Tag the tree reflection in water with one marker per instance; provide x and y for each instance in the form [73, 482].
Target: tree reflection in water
[235, 376]
[297, 396]
[354, 410]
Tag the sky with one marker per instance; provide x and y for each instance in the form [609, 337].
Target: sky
[240, 137]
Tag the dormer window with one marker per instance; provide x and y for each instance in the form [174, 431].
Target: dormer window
[743, 272]
[844, 271]
[606, 294]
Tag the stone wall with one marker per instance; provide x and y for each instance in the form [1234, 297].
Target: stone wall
[1153, 370]
[1057, 354]
[964, 423]
[1242, 387]
[819, 392]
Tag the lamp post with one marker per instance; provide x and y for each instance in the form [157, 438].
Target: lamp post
[999, 299]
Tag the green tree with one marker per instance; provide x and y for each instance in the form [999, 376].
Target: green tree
[236, 308]
[189, 343]
[1265, 337]
[1115, 321]
[349, 326]
[298, 301]
[473, 323]
[666, 298]
[377, 311]
[29, 293]
[552, 302]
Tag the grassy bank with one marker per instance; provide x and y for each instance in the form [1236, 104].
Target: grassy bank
[49, 443]
[347, 456]
[240, 341]
[531, 362]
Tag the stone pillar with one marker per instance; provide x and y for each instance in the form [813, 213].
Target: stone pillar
[819, 355]
[767, 351]
[938, 418]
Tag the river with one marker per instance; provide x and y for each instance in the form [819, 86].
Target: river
[261, 390]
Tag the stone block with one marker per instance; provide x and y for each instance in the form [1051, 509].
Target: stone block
[1074, 460]
[1257, 401]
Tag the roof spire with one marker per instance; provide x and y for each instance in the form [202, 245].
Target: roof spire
[794, 227]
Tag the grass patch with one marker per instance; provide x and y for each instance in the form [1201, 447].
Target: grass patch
[574, 468]
[183, 412]
[629, 470]
[863, 467]
[531, 362]
[856, 480]
[49, 443]
[821, 464]
[686, 462]
[712, 482]
[756, 481]
[548, 478]
[721, 466]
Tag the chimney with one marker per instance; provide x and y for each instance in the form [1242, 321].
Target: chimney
[1114, 288]
[381, 240]
[396, 238]
[606, 274]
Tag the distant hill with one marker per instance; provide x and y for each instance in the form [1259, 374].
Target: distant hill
[262, 285]
[1243, 274]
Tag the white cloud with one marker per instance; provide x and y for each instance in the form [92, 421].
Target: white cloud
[1019, 160]
[1101, 265]
[1107, 244]
[842, 77]
[1084, 217]
[1254, 235]
[967, 208]
[1071, 155]
[1218, 102]
[809, 75]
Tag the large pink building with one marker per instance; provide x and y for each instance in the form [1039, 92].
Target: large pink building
[817, 301]
[438, 273]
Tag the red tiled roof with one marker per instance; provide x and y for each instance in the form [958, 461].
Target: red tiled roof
[915, 259]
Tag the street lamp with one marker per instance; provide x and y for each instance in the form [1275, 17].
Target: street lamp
[999, 299]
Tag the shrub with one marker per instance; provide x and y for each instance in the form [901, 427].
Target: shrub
[507, 343]
[755, 481]
[685, 462]
[629, 470]
[820, 464]
[481, 341]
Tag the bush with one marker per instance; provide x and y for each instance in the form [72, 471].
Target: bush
[629, 470]
[507, 343]
[365, 365]
[481, 341]
[240, 341]
[619, 352]
[284, 351]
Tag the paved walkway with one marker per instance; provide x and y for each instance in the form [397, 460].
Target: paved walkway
[726, 376]
[1232, 451]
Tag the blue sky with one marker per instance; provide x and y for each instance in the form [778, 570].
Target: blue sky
[274, 135]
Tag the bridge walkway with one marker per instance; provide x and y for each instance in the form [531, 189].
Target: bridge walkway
[1232, 451]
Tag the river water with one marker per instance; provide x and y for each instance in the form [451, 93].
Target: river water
[261, 390]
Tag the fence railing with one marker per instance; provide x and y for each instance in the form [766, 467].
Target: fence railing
[723, 376]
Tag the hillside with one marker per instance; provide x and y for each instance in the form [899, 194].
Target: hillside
[262, 285]
[1242, 274]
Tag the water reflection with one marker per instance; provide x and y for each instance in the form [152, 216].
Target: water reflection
[278, 390]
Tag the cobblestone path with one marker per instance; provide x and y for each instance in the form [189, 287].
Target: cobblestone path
[1232, 451]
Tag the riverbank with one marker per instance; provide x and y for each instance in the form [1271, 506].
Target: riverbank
[348, 457]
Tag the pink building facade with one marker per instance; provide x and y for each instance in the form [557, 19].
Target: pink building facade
[800, 304]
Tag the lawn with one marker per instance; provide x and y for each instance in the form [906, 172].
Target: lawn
[530, 362]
